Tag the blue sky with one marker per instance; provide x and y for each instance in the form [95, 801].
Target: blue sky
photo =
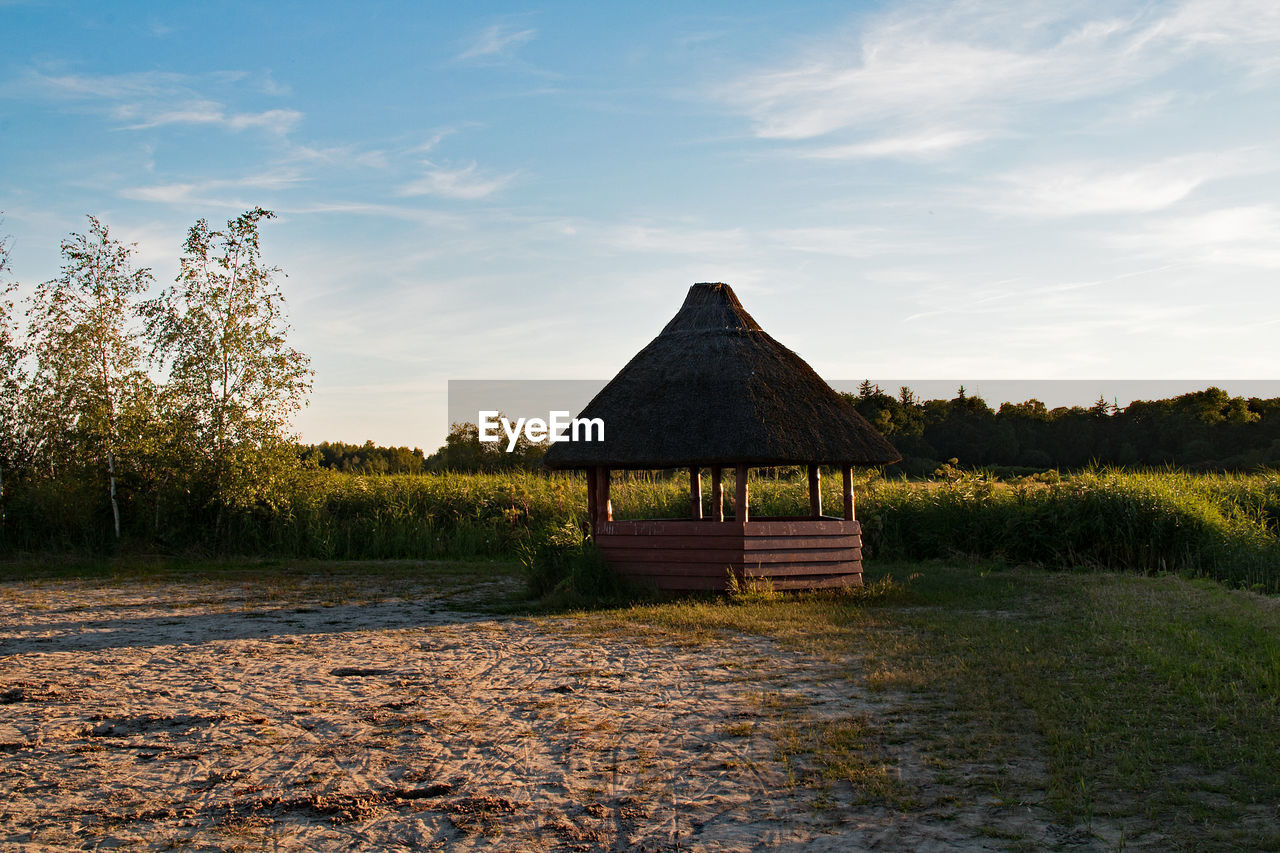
[1008, 190]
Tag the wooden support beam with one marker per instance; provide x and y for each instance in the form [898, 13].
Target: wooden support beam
[741, 510]
[593, 510]
[602, 499]
[695, 491]
[717, 493]
[815, 491]
[848, 493]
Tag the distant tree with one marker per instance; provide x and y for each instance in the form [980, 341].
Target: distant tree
[1101, 408]
[367, 458]
[222, 331]
[1031, 410]
[88, 352]
[1023, 428]
[964, 429]
[464, 451]
[888, 415]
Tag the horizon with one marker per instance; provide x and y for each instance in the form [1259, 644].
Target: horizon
[1016, 192]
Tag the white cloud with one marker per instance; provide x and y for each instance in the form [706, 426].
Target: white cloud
[212, 192]
[826, 94]
[1237, 236]
[435, 139]
[1071, 189]
[465, 183]
[845, 242]
[144, 100]
[336, 155]
[341, 208]
[496, 42]
[923, 145]
[680, 241]
[1237, 24]
[278, 122]
[886, 84]
[275, 121]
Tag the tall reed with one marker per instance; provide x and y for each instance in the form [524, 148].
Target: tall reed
[1221, 526]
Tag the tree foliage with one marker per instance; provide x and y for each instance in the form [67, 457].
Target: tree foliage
[87, 433]
[222, 331]
[12, 376]
[89, 376]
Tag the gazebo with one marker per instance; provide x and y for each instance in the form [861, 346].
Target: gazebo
[715, 391]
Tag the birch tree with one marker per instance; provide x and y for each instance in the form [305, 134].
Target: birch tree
[11, 375]
[222, 331]
[88, 354]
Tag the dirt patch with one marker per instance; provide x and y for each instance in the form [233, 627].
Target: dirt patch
[190, 716]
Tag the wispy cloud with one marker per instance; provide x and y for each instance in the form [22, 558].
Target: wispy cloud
[1235, 236]
[886, 85]
[1072, 189]
[435, 139]
[342, 156]
[862, 242]
[143, 100]
[158, 28]
[923, 145]
[108, 87]
[690, 240]
[466, 183]
[279, 122]
[497, 42]
[213, 193]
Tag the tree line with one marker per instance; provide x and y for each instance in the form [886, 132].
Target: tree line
[159, 412]
[367, 458]
[1203, 430]
[462, 451]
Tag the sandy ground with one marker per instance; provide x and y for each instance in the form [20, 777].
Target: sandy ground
[207, 716]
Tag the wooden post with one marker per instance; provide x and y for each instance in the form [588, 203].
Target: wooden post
[741, 512]
[604, 507]
[717, 493]
[695, 491]
[848, 493]
[815, 491]
[593, 508]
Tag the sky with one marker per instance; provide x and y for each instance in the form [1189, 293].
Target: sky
[1006, 190]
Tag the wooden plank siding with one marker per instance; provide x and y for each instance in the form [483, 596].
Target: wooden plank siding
[687, 554]
[669, 527]
[681, 584]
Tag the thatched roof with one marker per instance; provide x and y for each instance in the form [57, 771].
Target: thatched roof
[714, 389]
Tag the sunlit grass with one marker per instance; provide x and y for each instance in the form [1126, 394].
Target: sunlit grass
[1221, 526]
[1148, 702]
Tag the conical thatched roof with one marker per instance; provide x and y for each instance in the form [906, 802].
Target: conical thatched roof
[714, 389]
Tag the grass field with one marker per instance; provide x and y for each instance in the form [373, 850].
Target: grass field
[1015, 706]
[1223, 526]
[1147, 703]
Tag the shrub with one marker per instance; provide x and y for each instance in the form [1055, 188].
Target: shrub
[566, 568]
